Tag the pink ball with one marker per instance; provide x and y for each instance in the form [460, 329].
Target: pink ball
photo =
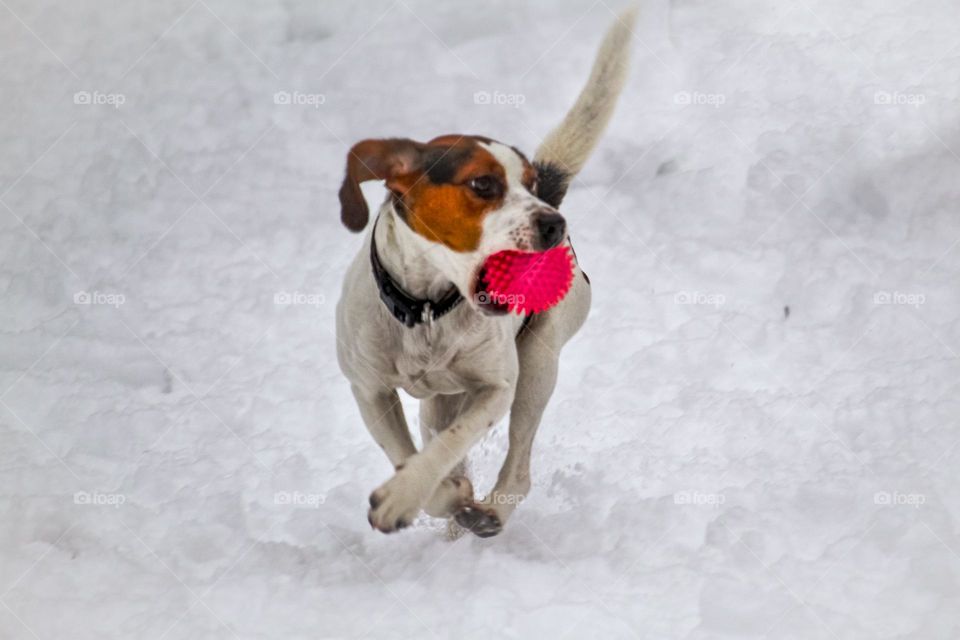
[528, 282]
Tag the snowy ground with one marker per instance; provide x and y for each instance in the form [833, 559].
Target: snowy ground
[179, 458]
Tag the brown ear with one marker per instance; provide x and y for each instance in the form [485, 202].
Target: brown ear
[373, 160]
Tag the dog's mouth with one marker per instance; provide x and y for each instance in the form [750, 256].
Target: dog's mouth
[487, 303]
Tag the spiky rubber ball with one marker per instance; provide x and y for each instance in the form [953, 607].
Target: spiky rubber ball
[528, 282]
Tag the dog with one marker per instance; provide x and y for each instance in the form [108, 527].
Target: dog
[413, 313]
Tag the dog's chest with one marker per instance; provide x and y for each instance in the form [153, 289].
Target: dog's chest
[428, 363]
[422, 379]
[425, 368]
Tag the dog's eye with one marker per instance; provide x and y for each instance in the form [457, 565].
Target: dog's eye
[485, 186]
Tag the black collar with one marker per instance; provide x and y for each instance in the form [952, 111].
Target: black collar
[404, 307]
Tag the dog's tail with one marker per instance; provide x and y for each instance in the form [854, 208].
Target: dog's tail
[565, 150]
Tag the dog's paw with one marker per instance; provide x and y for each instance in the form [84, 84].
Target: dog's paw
[395, 504]
[479, 520]
[452, 494]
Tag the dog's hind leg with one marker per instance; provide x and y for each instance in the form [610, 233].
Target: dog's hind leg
[437, 413]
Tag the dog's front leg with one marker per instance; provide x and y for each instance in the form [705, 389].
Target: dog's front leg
[537, 354]
[397, 502]
[383, 414]
[538, 375]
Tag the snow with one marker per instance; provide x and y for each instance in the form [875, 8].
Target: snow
[181, 458]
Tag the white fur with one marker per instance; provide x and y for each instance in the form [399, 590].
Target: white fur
[569, 145]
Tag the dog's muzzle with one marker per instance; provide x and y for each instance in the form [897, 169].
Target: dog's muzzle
[550, 228]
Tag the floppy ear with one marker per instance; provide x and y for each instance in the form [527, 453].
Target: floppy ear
[373, 160]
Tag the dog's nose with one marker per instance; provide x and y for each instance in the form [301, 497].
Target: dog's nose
[551, 228]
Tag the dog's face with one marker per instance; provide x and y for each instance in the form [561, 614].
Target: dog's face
[466, 197]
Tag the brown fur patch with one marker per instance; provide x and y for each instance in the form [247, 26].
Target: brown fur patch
[450, 211]
[529, 179]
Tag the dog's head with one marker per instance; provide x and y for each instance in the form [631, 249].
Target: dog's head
[467, 196]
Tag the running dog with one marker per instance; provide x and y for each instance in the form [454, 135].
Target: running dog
[413, 314]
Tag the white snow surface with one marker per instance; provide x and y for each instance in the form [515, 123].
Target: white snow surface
[181, 458]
